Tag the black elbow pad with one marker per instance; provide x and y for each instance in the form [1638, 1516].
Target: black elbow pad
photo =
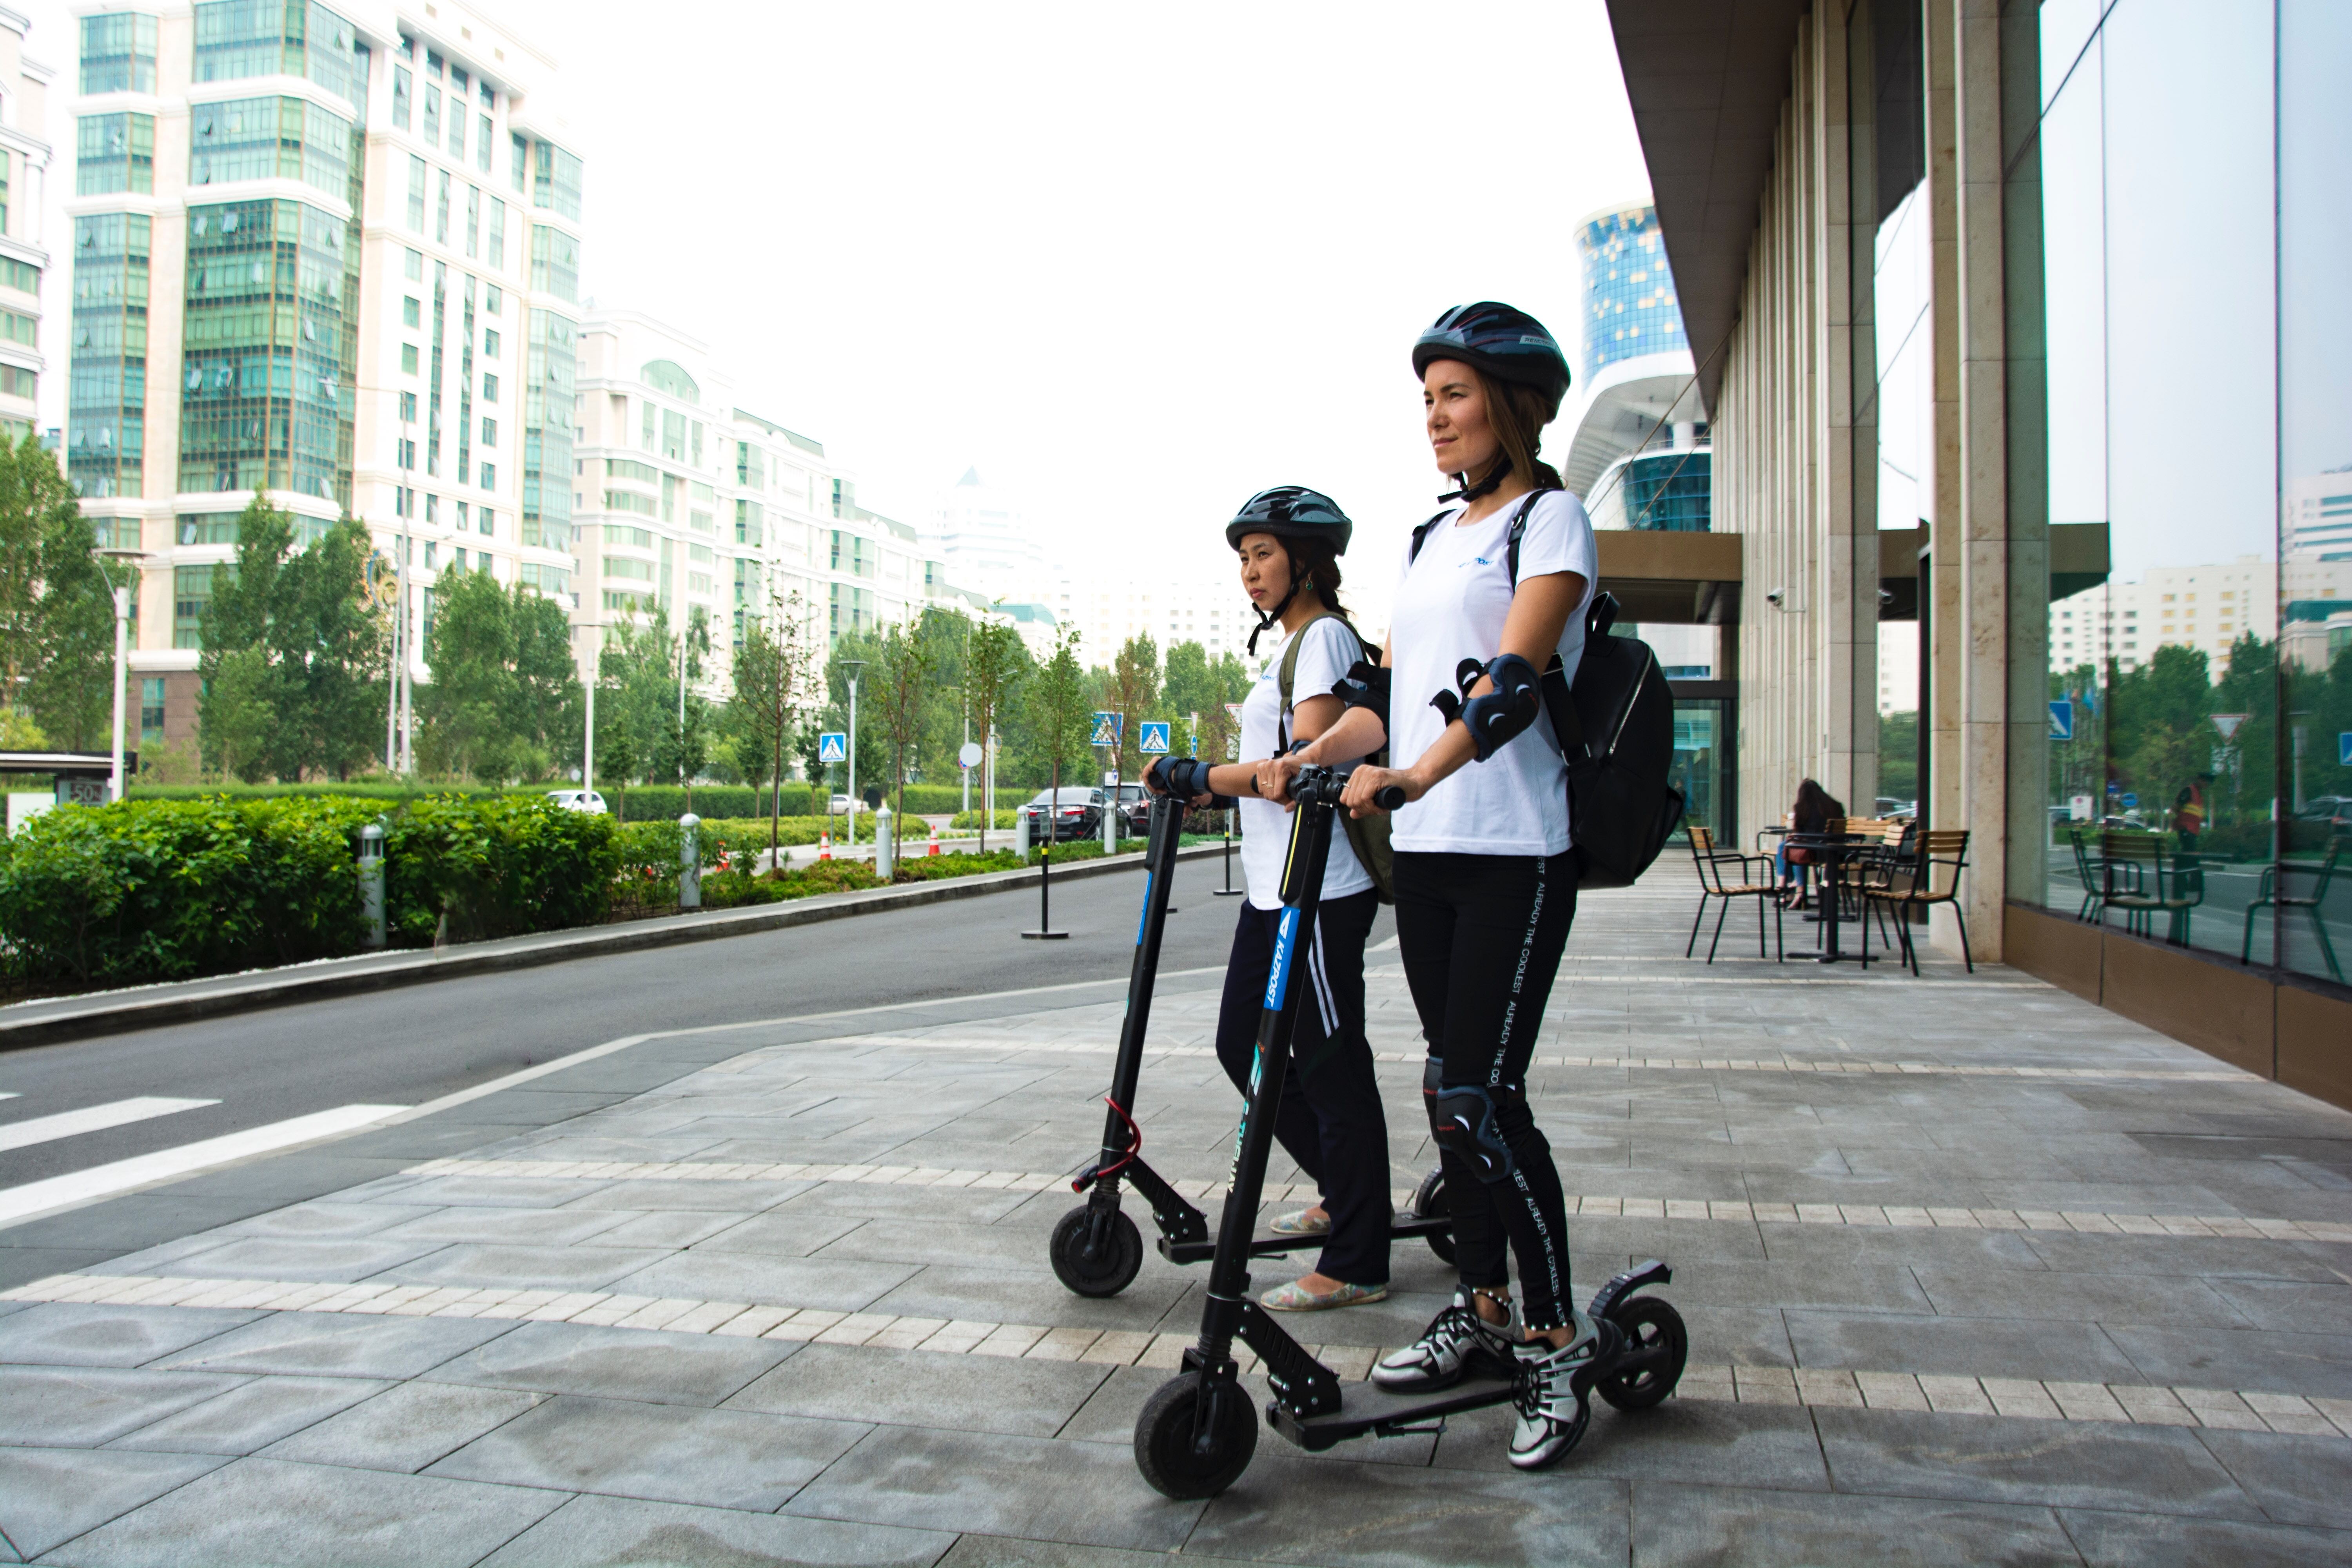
[1365, 686]
[1495, 717]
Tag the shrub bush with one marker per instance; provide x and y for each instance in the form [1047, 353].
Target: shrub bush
[499, 867]
[148, 890]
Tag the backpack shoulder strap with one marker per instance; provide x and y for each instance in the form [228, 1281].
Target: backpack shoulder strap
[1287, 674]
[1518, 532]
[1421, 535]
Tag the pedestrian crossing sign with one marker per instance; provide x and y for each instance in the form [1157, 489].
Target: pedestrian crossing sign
[832, 746]
[1154, 740]
[1109, 728]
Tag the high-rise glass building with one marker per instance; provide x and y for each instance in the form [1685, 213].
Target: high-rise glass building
[328, 254]
[1638, 453]
[1629, 290]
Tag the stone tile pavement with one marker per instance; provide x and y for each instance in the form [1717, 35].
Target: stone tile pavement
[1974, 1272]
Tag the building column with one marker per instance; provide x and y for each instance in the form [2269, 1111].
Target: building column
[1968, 683]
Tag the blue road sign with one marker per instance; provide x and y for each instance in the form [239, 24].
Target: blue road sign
[1153, 741]
[2344, 748]
[1109, 728]
[2061, 720]
[2131, 800]
[832, 746]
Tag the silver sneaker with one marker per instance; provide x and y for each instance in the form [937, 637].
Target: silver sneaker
[1456, 1340]
[1555, 1389]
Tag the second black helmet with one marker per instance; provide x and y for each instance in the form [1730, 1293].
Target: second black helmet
[1292, 511]
[1504, 342]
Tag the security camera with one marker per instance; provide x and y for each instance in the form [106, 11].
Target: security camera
[1775, 596]
[1885, 595]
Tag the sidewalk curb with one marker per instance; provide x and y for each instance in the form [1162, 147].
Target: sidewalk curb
[184, 1001]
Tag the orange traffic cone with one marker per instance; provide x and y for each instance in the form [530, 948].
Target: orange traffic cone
[824, 846]
[935, 839]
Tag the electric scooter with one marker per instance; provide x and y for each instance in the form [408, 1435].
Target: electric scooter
[1197, 1432]
[1095, 1248]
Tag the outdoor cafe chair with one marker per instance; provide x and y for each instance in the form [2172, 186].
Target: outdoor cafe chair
[2141, 878]
[2268, 895]
[1713, 883]
[2087, 868]
[1931, 878]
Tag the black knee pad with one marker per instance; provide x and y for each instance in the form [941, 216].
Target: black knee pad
[1464, 1120]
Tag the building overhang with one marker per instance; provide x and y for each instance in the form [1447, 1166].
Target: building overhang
[1678, 579]
[1707, 79]
[1622, 408]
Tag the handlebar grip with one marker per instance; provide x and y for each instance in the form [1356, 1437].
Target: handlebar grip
[1389, 798]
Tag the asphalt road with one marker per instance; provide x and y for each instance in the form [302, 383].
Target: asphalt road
[408, 1046]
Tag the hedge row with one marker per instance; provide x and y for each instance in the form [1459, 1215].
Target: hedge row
[168, 890]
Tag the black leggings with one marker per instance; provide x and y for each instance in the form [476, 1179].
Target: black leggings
[1330, 1120]
[1481, 937]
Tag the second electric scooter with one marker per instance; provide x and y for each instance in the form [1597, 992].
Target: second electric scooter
[1095, 1248]
[1197, 1432]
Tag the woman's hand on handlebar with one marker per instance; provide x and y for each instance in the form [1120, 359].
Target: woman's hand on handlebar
[1366, 784]
[1274, 775]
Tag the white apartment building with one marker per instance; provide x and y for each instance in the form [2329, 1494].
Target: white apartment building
[24, 190]
[1110, 608]
[330, 252]
[2319, 517]
[684, 501]
[985, 543]
[2204, 608]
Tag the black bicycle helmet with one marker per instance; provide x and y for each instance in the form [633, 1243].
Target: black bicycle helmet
[1291, 511]
[1498, 339]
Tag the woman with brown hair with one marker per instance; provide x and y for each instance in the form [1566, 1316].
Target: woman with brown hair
[1486, 882]
[1815, 809]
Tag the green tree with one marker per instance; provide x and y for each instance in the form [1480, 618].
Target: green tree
[1192, 690]
[1059, 705]
[901, 674]
[636, 698]
[775, 672]
[321, 652]
[505, 698]
[995, 663]
[57, 606]
[1132, 692]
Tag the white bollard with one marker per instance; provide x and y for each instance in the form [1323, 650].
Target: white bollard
[1021, 834]
[689, 862]
[882, 845]
[371, 885]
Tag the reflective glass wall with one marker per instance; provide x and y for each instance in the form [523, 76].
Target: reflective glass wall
[2179, 210]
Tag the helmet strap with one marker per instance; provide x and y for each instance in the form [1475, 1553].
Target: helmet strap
[1466, 492]
[1271, 616]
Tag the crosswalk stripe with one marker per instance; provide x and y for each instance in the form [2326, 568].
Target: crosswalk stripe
[35, 1199]
[2026, 1398]
[1897, 1216]
[92, 1119]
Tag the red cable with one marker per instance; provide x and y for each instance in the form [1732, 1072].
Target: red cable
[1134, 1147]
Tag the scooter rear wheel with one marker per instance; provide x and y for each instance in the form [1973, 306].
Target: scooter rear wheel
[1429, 1203]
[1651, 1326]
[1113, 1268]
[1165, 1446]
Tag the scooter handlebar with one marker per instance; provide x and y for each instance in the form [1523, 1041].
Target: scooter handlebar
[1389, 796]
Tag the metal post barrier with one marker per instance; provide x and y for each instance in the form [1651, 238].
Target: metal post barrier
[1229, 891]
[371, 885]
[884, 858]
[1020, 835]
[689, 862]
[1111, 821]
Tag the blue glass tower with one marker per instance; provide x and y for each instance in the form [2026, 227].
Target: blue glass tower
[1629, 292]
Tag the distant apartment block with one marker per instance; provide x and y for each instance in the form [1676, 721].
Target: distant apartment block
[24, 253]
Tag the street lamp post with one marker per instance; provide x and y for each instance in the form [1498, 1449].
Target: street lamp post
[397, 758]
[121, 657]
[853, 665]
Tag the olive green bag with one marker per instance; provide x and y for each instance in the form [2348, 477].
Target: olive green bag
[1368, 836]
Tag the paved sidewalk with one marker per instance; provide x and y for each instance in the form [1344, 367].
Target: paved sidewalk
[1975, 1272]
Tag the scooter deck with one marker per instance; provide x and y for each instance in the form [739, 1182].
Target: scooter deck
[1368, 1409]
[1274, 1246]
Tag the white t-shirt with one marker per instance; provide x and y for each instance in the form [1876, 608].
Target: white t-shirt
[1450, 605]
[1330, 647]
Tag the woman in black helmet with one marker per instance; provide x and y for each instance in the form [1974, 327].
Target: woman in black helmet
[1485, 886]
[1289, 540]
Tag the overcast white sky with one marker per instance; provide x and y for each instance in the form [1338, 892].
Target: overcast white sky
[1135, 263]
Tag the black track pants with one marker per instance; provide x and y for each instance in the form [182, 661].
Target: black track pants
[1330, 1120]
[1481, 937]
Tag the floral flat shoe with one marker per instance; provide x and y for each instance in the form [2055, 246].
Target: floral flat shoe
[1304, 1222]
[1296, 1297]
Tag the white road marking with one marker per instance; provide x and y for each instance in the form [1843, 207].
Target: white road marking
[35, 1199]
[92, 1119]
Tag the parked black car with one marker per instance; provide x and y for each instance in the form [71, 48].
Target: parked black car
[1076, 814]
[1134, 810]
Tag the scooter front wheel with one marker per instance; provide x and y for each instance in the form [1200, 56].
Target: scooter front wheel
[1176, 1456]
[1652, 1330]
[1114, 1262]
[1429, 1202]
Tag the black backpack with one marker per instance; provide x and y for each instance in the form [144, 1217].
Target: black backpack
[1616, 731]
